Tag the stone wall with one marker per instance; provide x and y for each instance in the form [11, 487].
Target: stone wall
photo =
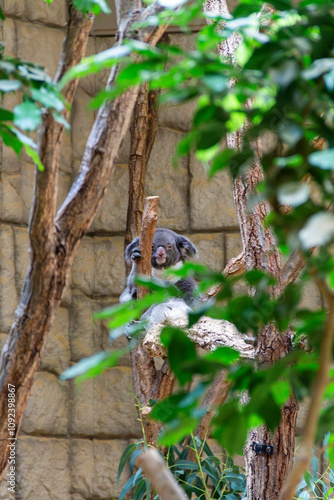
[72, 437]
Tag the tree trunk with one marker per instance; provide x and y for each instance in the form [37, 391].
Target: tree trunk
[55, 240]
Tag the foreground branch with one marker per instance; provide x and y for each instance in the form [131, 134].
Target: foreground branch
[161, 479]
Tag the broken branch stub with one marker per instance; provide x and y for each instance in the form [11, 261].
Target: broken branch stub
[147, 231]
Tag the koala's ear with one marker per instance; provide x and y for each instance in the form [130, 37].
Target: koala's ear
[130, 249]
[187, 249]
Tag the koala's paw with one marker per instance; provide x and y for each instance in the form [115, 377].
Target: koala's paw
[136, 255]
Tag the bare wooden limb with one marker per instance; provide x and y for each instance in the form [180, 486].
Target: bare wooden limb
[304, 453]
[292, 268]
[235, 267]
[160, 477]
[215, 396]
[147, 231]
[208, 334]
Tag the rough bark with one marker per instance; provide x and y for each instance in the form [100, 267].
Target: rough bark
[304, 453]
[143, 130]
[148, 382]
[55, 241]
[265, 474]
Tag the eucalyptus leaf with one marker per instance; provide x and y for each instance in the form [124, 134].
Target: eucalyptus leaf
[318, 230]
[293, 193]
[9, 85]
[322, 159]
[27, 116]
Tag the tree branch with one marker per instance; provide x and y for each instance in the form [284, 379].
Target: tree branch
[143, 131]
[304, 453]
[235, 267]
[160, 477]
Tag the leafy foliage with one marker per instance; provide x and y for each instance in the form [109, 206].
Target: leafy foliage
[286, 72]
[38, 92]
[206, 477]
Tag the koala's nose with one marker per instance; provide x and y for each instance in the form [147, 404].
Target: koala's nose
[160, 252]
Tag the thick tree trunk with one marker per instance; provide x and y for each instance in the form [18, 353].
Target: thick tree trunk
[55, 241]
[143, 131]
[265, 474]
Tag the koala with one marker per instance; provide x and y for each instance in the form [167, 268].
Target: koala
[169, 250]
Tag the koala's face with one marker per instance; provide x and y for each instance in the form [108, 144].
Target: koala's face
[170, 248]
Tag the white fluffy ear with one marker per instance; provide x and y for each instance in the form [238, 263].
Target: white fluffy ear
[187, 249]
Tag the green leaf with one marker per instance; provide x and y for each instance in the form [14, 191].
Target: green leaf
[140, 490]
[2, 15]
[180, 351]
[318, 230]
[6, 115]
[131, 483]
[293, 193]
[171, 4]
[35, 157]
[280, 391]
[95, 63]
[94, 6]
[9, 85]
[126, 455]
[330, 450]
[84, 365]
[47, 98]
[186, 465]
[322, 159]
[224, 355]
[27, 116]
[10, 139]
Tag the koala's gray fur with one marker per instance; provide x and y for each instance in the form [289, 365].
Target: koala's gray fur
[169, 250]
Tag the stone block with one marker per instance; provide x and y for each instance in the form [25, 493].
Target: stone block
[210, 249]
[177, 117]
[105, 407]
[82, 120]
[211, 201]
[42, 469]
[109, 270]
[233, 246]
[113, 210]
[57, 353]
[83, 267]
[65, 162]
[168, 182]
[124, 151]
[311, 297]
[11, 204]
[3, 340]
[8, 293]
[5, 494]
[64, 184]
[88, 84]
[9, 35]
[47, 407]
[32, 37]
[85, 334]
[103, 43]
[21, 240]
[94, 468]
[34, 10]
